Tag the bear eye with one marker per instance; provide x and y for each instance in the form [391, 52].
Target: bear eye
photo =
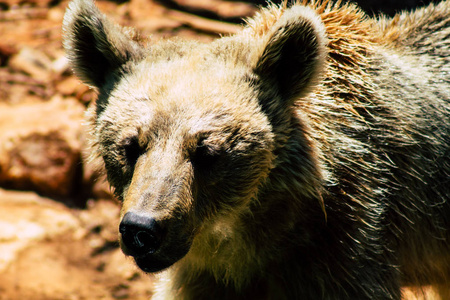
[204, 156]
[132, 150]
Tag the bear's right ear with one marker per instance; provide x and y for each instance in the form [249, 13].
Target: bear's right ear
[95, 46]
[294, 55]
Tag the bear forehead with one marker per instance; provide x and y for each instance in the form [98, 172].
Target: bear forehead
[148, 116]
[186, 86]
[180, 112]
[187, 77]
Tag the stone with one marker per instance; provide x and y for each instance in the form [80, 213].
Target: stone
[26, 218]
[40, 147]
[32, 62]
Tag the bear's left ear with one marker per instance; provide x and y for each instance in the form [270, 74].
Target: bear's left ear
[96, 46]
[294, 55]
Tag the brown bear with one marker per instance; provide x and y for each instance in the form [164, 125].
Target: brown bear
[305, 157]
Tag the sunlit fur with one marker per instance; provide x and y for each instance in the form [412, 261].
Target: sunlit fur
[327, 137]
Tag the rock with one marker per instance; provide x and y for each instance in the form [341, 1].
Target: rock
[60, 65]
[48, 251]
[223, 10]
[96, 183]
[32, 62]
[26, 218]
[13, 3]
[6, 51]
[40, 147]
[69, 86]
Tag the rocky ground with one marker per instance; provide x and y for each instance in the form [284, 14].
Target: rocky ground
[58, 220]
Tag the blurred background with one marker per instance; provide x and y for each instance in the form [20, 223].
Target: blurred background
[58, 218]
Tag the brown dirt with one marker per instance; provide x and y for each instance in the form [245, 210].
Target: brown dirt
[52, 252]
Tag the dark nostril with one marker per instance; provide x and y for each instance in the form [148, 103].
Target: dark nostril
[140, 234]
[143, 238]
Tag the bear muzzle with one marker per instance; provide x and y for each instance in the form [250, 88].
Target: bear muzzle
[141, 234]
[149, 242]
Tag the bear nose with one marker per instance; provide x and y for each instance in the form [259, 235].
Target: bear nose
[140, 234]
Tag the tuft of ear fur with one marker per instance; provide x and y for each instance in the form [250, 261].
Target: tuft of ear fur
[95, 46]
[294, 56]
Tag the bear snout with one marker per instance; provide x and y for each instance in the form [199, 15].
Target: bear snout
[153, 245]
[140, 234]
